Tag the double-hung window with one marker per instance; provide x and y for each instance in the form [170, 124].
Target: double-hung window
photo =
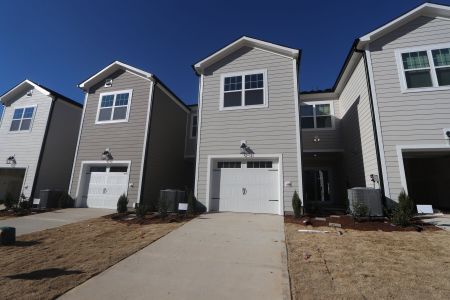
[114, 107]
[244, 90]
[316, 115]
[194, 126]
[22, 119]
[424, 68]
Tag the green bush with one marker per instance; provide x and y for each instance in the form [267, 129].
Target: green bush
[162, 207]
[403, 211]
[122, 204]
[359, 209]
[191, 200]
[65, 201]
[141, 210]
[10, 202]
[297, 205]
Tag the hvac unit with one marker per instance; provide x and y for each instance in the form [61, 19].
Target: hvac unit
[172, 198]
[369, 196]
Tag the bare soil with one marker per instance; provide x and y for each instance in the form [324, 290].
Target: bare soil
[348, 222]
[361, 264]
[46, 264]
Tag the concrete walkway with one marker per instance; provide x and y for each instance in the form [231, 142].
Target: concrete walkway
[38, 222]
[216, 256]
[439, 220]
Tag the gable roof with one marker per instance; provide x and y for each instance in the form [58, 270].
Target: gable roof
[27, 85]
[427, 9]
[242, 42]
[110, 69]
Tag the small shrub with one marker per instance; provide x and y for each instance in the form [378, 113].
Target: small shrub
[191, 200]
[359, 209]
[162, 207]
[122, 204]
[297, 205]
[65, 201]
[10, 202]
[404, 210]
[141, 210]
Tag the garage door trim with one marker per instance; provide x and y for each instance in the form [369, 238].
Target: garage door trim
[91, 163]
[212, 158]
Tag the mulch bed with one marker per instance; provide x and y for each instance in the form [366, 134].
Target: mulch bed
[4, 213]
[347, 222]
[150, 218]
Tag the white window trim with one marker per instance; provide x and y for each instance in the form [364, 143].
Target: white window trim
[242, 106]
[192, 125]
[31, 123]
[114, 93]
[401, 71]
[314, 103]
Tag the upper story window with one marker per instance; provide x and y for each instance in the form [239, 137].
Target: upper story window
[317, 115]
[22, 118]
[114, 107]
[244, 90]
[194, 126]
[424, 68]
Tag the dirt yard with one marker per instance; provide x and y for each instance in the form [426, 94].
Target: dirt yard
[46, 264]
[368, 264]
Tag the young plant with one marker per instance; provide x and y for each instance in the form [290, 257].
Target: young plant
[297, 205]
[10, 202]
[359, 209]
[141, 210]
[65, 201]
[403, 212]
[122, 204]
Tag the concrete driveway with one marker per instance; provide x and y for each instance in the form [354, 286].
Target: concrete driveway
[440, 220]
[38, 222]
[216, 256]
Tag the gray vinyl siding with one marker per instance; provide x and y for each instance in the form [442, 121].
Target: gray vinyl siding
[26, 146]
[357, 130]
[270, 130]
[329, 138]
[59, 148]
[191, 143]
[125, 140]
[165, 152]
[408, 118]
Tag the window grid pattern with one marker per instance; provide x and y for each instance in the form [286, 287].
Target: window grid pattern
[316, 116]
[22, 118]
[229, 164]
[194, 126]
[113, 107]
[259, 164]
[236, 95]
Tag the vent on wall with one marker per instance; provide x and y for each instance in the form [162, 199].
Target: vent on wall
[30, 93]
[108, 83]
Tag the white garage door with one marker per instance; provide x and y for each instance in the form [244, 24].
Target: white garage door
[246, 186]
[105, 185]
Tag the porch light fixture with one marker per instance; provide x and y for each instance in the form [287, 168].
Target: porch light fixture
[245, 150]
[316, 139]
[106, 155]
[11, 160]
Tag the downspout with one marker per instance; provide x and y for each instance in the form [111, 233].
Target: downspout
[44, 143]
[374, 127]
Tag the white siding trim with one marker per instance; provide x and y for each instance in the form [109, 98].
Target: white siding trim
[415, 148]
[199, 111]
[78, 140]
[279, 157]
[387, 191]
[242, 74]
[297, 129]
[130, 92]
[144, 147]
[99, 162]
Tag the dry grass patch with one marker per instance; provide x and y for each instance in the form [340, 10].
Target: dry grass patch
[368, 264]
[46, 264]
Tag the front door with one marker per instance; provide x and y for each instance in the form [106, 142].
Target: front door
[316, 185]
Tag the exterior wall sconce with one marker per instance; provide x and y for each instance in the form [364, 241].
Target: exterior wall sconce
[106, 155]
[316, 139]
[245, 150]
[11, 160]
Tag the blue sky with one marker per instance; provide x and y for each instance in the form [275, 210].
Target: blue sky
[60, 43]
